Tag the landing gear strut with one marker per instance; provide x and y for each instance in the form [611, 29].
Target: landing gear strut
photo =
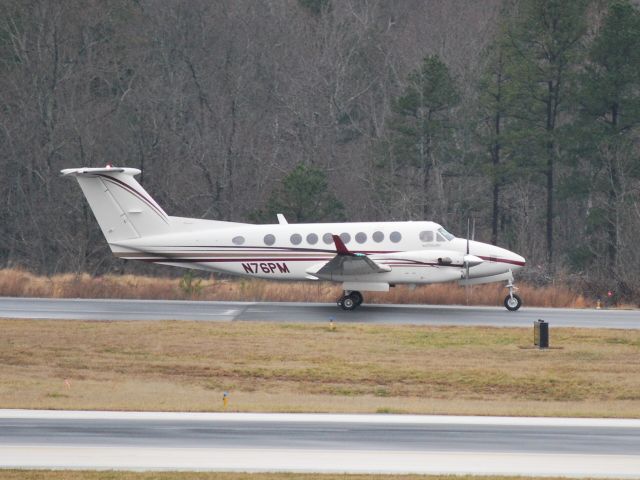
[512, 302]
[350, 300]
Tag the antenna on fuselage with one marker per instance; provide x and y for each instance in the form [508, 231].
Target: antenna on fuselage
[281, 219]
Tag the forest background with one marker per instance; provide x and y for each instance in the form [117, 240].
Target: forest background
[523, 115]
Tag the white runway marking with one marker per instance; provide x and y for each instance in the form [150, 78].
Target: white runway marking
[323, 461]
[324, 417]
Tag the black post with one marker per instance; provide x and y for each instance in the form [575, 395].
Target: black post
[541, 334]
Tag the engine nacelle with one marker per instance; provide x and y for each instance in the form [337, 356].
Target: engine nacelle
[445, 258]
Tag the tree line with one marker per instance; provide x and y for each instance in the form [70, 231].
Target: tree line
[520, 114]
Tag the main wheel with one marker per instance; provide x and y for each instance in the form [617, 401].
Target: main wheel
[512, 303]
[357, 297]
[348, 303]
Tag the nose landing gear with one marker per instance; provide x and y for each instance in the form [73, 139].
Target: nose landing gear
[350, 300]
[512, 302]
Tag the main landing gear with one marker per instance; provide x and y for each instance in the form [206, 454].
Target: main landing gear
[350, 300]
[512, 302]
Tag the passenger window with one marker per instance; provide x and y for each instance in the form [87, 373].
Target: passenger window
[426, 236]
[345, 237]
[296, 238]
[361, 237]
[395, 237]
[327, 238]
[239, 240]
[269, 239]
[312, 238]
[377, 237]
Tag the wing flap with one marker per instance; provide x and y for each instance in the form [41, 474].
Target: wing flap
[344, 265]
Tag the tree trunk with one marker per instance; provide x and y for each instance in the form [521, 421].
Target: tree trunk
[549, 171]
[495, 160]
[612, 194]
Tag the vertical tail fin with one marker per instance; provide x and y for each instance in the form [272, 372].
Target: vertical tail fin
[123, 209]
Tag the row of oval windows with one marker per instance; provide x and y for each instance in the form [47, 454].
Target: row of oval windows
[360, 237]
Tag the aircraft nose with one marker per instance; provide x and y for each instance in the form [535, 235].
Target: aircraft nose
[510, 259]
[518, 260]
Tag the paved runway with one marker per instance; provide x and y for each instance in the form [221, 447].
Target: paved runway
[324, 443]
[311, 312]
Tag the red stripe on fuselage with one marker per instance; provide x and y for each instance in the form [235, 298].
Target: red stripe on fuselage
[503, 260]
[225, 260]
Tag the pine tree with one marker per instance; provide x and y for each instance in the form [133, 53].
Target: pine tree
[493, 107]
[545, 45]
[302, 197]
[420, 130]
[610, 111]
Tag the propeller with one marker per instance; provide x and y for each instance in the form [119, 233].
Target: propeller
[466, 262]
[470, 260]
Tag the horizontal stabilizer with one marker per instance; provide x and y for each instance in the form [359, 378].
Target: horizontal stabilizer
[86, 171]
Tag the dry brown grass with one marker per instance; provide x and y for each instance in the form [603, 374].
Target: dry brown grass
[90, 475]
[186, 366]
[19, 283]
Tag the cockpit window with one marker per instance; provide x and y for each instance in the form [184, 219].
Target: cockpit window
[445, 234]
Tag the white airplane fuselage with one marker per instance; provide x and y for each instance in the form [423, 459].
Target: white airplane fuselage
[411, 259]
[363, 256]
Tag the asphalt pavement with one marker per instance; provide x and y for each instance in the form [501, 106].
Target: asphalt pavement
[83, 309]
[307, 442]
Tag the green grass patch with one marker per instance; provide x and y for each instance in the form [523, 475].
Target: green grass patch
[306, 367]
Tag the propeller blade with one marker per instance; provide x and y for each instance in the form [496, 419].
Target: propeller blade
[466, 262]
[467, 235]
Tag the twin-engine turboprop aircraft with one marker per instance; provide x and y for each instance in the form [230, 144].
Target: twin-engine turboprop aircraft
[365, 256]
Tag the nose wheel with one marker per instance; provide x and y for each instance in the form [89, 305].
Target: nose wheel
[512, 302]
[350, 300]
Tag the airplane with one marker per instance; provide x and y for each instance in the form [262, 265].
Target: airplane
[363, 256]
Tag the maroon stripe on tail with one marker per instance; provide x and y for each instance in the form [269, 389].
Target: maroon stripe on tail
[137, 194]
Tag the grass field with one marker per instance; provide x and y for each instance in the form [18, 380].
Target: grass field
[18, 283]
[186, 366]
[89, 475]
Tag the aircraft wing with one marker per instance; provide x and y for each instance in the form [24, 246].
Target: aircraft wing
[346, 263]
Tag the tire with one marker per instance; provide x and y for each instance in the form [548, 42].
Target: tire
[348, 303]
[512, 304]
[357, 297]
